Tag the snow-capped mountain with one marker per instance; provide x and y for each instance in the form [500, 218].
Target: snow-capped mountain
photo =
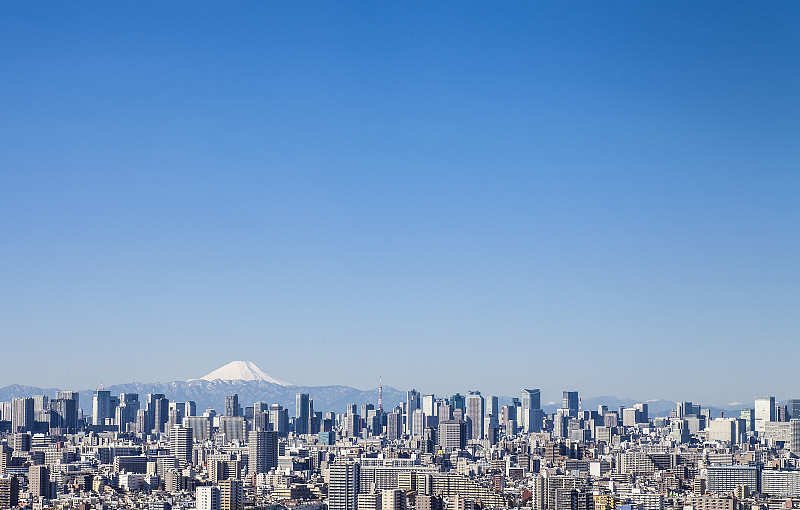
[242, 371]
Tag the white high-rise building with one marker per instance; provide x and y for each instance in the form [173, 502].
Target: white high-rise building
[476, 409]
[764, 412]
[207, 498]
[181, 441]
[343, 486]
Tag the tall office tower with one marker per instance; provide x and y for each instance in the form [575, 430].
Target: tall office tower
[279, 418]
[233, 427]
[530, 400]
[261, 421]
[207, 498]
[413, 402]
[429, 406]
[262, 450]
[127, 410]
[765, 412]
[749, 416]
[343, 486]
[445, 412]
[22, 415]
[231, 493]
[452, 435]
[570, 402]
[191, 408]
[417, 423]
[794, 435]
[101, 407]
[181, 440]
[232, 405]
[200, 427]
[493, 405]
[41, 403]
[458, 401]
[157, 412]
[302, 414]
[72, 409]
[394, 426]
[39, 481]
[643, 413]
[793, 408]
[9, 491]
[63, 410]
[260, 407]
[476, 409]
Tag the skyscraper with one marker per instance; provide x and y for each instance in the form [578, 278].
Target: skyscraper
[764, 412]
[302, 414]
[68, 410]
[22, 415]
[101, 407]
[343, 486]
[570, 402]
[262, 451]
[476, 409]
[232, 405]
[530, 418]
[180, 444]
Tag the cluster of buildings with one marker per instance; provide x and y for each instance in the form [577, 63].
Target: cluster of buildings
[462, 452]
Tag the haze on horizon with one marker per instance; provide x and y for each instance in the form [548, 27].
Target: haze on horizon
[451, 196]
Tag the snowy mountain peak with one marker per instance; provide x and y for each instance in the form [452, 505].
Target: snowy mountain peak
[242, 371]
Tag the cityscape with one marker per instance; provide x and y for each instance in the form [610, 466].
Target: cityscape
[429, 255]
[426, 452]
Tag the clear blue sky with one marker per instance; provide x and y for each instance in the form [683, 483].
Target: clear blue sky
[593, 195]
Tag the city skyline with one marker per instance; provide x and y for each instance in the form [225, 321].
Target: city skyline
[449, 196]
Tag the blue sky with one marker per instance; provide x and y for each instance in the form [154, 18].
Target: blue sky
[598, 196]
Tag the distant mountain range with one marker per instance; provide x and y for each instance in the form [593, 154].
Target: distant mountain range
[254, 385]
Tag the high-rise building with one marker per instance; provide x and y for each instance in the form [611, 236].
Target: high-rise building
[794, 435]
[181, 441]
[191, 408]
[157, 412]
[452, 435]
[413, 403]
[22, 415]
[793, 408]
[262, 451]
[39, 481]
[279, 419]
[429, 406]
[394, 426]
[101, 407]
[764, 412]
[476, 409]
[570, 402]
[233, 427]
[9, 491]
[231, 493]
[207, 498]
[343, 486]
[530, 419]
[393, 499]
[232, 405]
[200, 427]
[458, 401]
[70, 409]
[302, 414]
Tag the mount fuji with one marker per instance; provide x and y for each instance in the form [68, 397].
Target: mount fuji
[243, 378]
[242, 371]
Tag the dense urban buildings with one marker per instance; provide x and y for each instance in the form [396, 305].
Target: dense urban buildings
[429, 452]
